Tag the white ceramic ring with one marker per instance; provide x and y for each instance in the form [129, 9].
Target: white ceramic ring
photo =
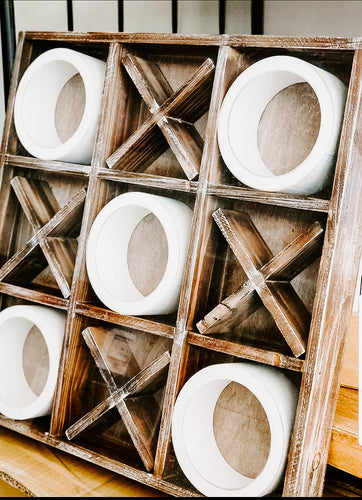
[243, 107]
[17, 399]
[193, 436]
[107, 246]
[36, 99]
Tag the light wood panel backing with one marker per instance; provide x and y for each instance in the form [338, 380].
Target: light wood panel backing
[297, 110]
[241, 428]
[345, 451]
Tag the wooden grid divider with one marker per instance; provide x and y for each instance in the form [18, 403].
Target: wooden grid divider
[141, 120]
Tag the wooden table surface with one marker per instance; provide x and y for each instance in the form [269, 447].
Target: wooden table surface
[36, 469]
[31, 468]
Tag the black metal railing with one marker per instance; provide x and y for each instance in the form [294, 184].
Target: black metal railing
[8, 42]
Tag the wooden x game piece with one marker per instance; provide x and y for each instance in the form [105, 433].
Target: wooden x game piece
[134, 400]
[55, 231]
[268, 279]
[173, 115]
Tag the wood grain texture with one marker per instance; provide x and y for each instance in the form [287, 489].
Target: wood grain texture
[302, 202]
[173, 112]
[47, 165]
[297, 110]
[149, 80]
[269, 277]
[241, 428]
[48, 222]
[182, 359]
[142, 421]
[345, 451]
[37, 296]
[8, 145]
[350, 369]
[149, 180]
[74, 360]
[172, 88]
[73, 476]
[40, 206]
[342, 43]
[332, 309]
[87, 457]
[143, 324]
[246, 352]
[36, 199]
[185, 142]
[45, 471]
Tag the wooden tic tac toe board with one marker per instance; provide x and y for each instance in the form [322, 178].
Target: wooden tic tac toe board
[269, 276]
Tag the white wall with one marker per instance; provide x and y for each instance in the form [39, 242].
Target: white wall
[313, 17]
[148, 16]
[95, 15]
[40, 15]
[238, 16]
[198, 17]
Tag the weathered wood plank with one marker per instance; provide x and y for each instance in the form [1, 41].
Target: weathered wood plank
[246, 352]
[301, 202]
[345, 451]
[33, 295]
[269, 276]
[47, 165]
[185, 142]
[332, 308]
[149, 80]
[143, 437]
[342, 43]
[187, 104]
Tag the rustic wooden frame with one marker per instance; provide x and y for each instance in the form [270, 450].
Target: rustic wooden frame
[318, 372]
